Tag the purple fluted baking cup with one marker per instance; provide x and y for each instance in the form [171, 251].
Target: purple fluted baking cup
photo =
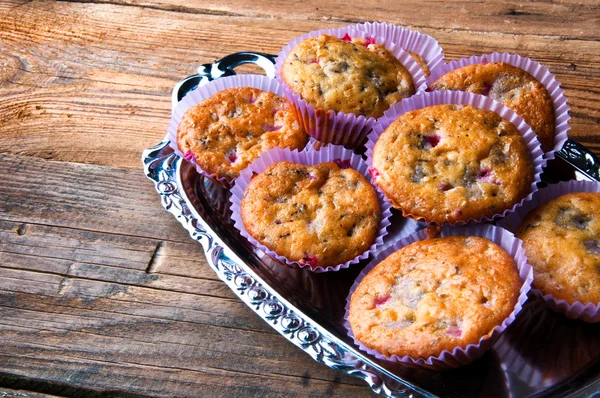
[589, 312]
[551, 350]
[462, 98]
[206, 91]
[333, 127]
[424, 45]
[540, 73]
[458, 356]
[307, 157]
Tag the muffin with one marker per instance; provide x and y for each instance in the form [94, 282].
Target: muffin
[434, 295]
[562, 241]
[321, 215]
[227, 131]
[449, 163]
[511, 86]
[350, 75]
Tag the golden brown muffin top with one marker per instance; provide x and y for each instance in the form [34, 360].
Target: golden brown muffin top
[448, 163]
[355, 76]
[434, 295]
[227, 131]
[320, 215]
[562, 242]
[511, 86]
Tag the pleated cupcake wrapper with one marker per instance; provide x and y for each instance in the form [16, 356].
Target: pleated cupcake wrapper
[462, 98]
[410, 40]
[333, 127]
[206, 91]
[458, 356]
[535, 69]
[512, 357]
[307, 157]
[589, 312]
[566, 349]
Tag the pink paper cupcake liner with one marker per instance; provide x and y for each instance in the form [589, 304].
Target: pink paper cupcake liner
[460, 97]
[589, 312]
[410, 40]
[535, 69]
[333, 127]
[306, 157]
[400, 228]
[206, 91]
[458, 356]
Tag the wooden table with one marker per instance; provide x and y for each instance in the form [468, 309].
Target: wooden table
[102, 292]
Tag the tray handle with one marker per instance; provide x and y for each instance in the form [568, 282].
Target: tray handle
[581, 158]
[223, 67]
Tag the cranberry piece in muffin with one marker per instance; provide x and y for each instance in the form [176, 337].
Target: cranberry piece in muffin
[562, 242]
[434, 295]
[227, 131]
[448, 163]
[320, 215]
[511, 86]
[349, 75]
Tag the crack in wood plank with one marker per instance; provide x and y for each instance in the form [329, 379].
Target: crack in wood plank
[62, 331]
[111, 314]
[169, 8]
[72, 271]
[154, 261]
[132, 235]
[203, 369]
[159, 94]
[64, 285]
[66, 281]
[215, 278]
[123, 284]
[585, 116]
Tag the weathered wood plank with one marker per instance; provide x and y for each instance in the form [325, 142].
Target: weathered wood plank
[76, 245]
[83, 381]
[82, 334]
[501, 17]
[76, 292]
[106, 300]
[6, 393]
[86, 197]
[20, 241]
[92, 84]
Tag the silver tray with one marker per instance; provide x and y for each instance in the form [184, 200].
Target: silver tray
[541, 354]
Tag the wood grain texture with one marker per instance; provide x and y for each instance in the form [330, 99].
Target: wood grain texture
[9, 393]
[100, 309]
[95, 300]
[92, 83]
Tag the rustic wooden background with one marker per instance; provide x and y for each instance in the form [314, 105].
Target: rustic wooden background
[101, 291]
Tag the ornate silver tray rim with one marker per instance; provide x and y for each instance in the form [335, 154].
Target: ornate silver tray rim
[162, 166]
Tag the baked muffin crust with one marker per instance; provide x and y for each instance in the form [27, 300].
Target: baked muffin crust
[448, 163]
[419, 60]
[320, 215]
[562, 242]
[434, 295]
[511, 86]
[351, 76]
[227, 131]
